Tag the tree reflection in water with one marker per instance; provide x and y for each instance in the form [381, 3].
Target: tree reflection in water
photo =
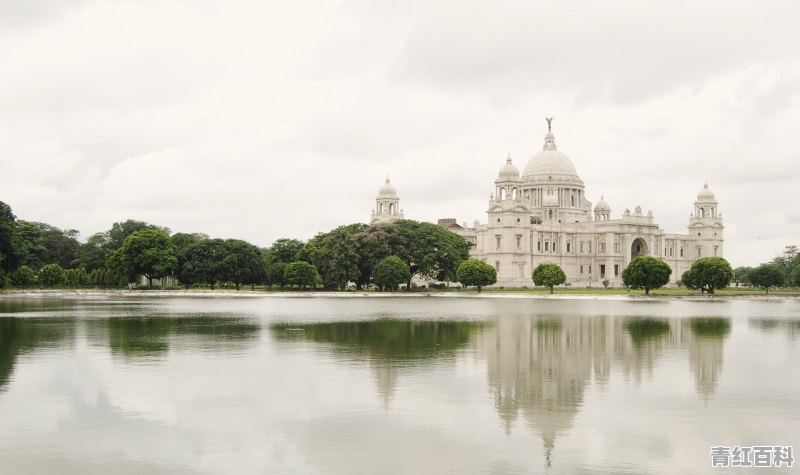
[388, 344]
[789, 327]
[19, 336]
[154, 335]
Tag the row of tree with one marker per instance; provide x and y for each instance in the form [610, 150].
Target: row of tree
[384, 255]
[782, 270]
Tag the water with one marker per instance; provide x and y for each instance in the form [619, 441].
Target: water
[392, 385]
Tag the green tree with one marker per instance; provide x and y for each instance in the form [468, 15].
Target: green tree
[645, 272]
[767, 275]
[549, 275]
[96, 252]
[148, 252]
[119, 232]
[431, 250]
[741, 275]
[243, 263]
[301, 274]
[794, 278]
[390, 272]
[44, 244]
[23, 277]
[373, 244]
[93, 254]
[708, 274]
[11, 252]
[335, 256]
[52, 275]
[203, 263]
[183, 241]
[76, 278]
[788, 260]
[283, 250]
[477, 273]
[276, 274]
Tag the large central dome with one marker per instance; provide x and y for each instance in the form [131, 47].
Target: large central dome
[550, 164]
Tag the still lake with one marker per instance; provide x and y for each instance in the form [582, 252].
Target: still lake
[318, 385]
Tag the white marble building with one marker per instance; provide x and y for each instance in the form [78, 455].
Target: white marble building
[544, 216]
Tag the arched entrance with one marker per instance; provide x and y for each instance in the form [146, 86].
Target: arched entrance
[638, 248]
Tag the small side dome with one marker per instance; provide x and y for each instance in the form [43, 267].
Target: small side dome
[705, 194]
[602, 205]
[509, 171]
[387, 190]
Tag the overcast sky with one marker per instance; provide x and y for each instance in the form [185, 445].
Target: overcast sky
[260, 120]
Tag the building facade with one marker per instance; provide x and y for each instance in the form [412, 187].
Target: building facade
[544, 216]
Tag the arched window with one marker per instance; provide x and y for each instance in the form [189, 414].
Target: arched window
[502, 193]
[702, 212]
[513, 193]
[380, 208]
[391, 208]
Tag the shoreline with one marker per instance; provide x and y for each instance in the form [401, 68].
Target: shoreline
[42, 293]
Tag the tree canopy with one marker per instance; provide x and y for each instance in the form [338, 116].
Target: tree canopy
[374, 244]
[549, 275]
[430, 250]
[741, 275]
[301, 274]
[11, 252]
[708, 274]
[242, 263]
[23, 277]
[645, 272]
[283, 250]
[794, 277]
[390, 272]
[203, 263]
[335, 256]
[148, 252]
[52, 275]
[477, 273]
[45, 244]
[766, 276]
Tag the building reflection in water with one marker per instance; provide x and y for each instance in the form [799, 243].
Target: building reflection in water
[539, 366]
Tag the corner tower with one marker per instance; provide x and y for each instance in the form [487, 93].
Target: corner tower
[705, 226]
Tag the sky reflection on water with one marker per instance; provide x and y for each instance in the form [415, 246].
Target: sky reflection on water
[405, 385]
